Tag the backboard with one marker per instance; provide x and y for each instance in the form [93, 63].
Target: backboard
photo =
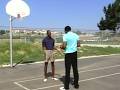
[17, 8]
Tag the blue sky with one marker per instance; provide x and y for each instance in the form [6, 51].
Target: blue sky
[82, 14]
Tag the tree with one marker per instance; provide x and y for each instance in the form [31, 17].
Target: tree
[102, 24]
[2, 32]
[78, 32]
[112, 17]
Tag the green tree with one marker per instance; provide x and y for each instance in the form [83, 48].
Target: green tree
[2, 32]
[111, 18]
[102, 24]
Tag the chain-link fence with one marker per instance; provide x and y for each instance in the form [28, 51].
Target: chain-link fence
[27, 42]
[101, 38]
[37, 34]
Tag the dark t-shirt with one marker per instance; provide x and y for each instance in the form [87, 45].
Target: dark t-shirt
[48, 43]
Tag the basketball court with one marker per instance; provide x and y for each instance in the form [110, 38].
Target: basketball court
[96, 73]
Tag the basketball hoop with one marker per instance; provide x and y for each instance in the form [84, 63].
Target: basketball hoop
[16, 9]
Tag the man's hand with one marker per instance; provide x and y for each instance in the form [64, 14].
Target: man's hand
[62, 47]
[58, 49]
[78, 45]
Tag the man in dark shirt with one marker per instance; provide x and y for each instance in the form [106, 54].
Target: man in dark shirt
[48, 44]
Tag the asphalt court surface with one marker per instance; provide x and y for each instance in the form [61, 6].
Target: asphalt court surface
[97, 73]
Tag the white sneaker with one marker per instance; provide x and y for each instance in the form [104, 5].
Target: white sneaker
[45, 80]
[62, 88]
[54, 79]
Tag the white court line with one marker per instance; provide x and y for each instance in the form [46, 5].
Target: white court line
[58, 60]
[99, 77]
[21, 86]
[17, 83]
[99, 68]
[79, 72]
[80, 81]
[48, 87]
[23, 79]
[29, 80]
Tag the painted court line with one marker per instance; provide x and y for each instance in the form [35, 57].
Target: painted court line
[17, 83]
[34, 78]
[80, 81]
[30, 80]
[79, 72]
[99, 77]
[100, 68]
[23, 79]
[21, 86]
[58, 60]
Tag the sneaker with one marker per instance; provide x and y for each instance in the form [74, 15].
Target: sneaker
[45, 80]
[54, 79]
[62, 88]
[76, 86]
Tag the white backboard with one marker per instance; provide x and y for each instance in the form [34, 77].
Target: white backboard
[17, 7]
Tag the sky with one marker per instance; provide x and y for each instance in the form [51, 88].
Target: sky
[83, 14]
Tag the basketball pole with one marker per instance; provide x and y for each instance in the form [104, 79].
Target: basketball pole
[11, 41]
[12, 9]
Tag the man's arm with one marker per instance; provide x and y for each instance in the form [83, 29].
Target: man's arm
[54, 48]
[63, 46]
[43, 45]
[43, 48]
[78, 43]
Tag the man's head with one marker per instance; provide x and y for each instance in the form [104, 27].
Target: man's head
[48, 33]
[67, 29]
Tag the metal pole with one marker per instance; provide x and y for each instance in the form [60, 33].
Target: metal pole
[11, 61]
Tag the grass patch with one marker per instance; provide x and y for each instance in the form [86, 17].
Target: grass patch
[32, 52]
[91, 51]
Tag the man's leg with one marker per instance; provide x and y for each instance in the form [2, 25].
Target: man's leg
[52, 64]
[67, 70]
[53, 69]
[46, 65]
[45, 71]
[75, 70]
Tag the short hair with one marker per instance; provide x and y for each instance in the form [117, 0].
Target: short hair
[67, 28]
[48, 31]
